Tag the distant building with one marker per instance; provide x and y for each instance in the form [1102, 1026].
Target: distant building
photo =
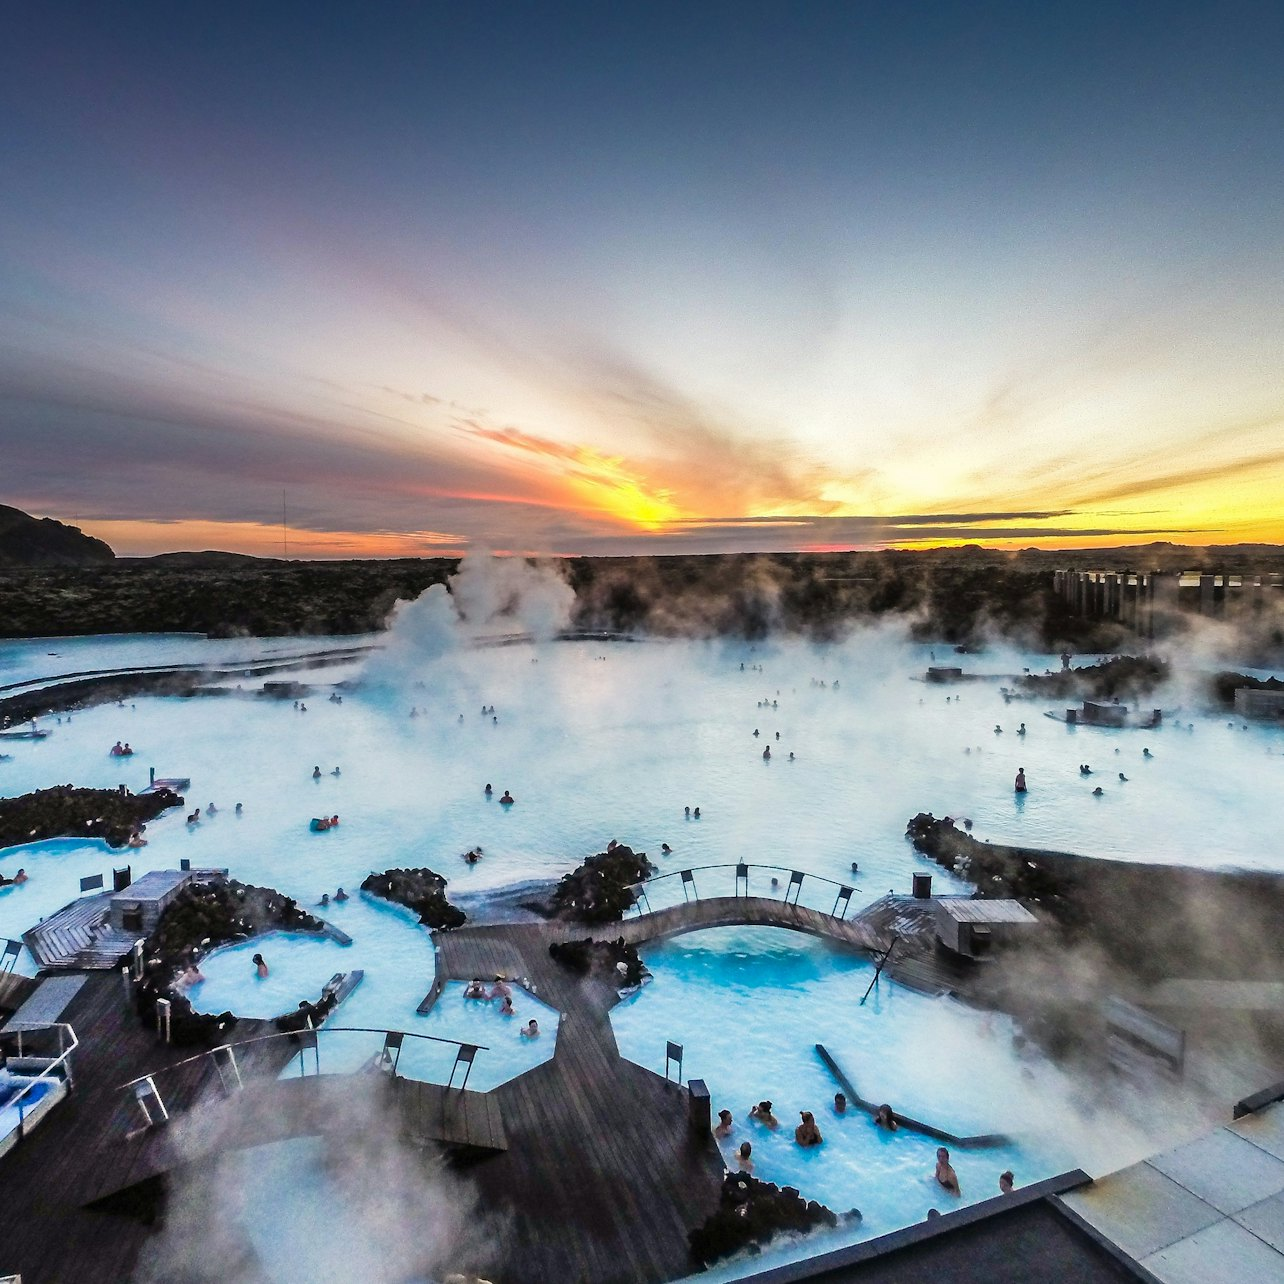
[1253, 703]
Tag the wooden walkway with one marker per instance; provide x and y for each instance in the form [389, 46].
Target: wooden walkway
[603, 1177]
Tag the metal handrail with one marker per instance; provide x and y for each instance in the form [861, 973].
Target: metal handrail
[290, 1034]
[695, 869]
[47, 1072]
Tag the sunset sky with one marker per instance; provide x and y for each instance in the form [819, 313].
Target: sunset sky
[620, 278]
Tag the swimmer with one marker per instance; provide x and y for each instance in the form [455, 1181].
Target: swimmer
[1021, 730]
[666, 849]
[195, 817]
[260, 966]
[341, 895]
[1145, 753]
[507, 800]
[766, 754]
[777, 735]
[1019, 786]
[884, 1118]
[191, 974]
[762, 1113]
[472, 857]
[1098, 792]
[696, 813]
[239, 808]
[316, 773]
[1122, 777]
[476, 989]
[1084, 769]
[335, 772]
[998, 730]
[946, 1177]
[1006, 1182]
[755, 732]
[211, 810]
[488, 790]
[20, 877]
[325, 899]
[506, 1008]
[531, 1029]
[501, 989]
[136, 840]
[303, 708]
[725, 1124]
[743, 1157]
[775, 882]
[807, 1134]
[687, 812]
[840, 1103]
[791, 756]
[334, 822]
[855, 867]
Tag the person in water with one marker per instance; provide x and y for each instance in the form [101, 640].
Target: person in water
[240, 807]
[744, 1157]
[807, 1134]
[325, 899]
[531, 1029]
[766, 754]
[506, 1008]
[476, 989]
[666, 849]
[1006, 1182]
[488, 790]
[762, 1113]
[687, 812]
[1098, 792]
[1145, 753]
[472, 856]
[341, 895]
[20, 877]
[211, 810]
[696, 813]
[501, 989]
[725, 1124]
[1020, 780]
[1021, 730]
[1123, 779]
[507, 800]
[316, 773]
[260, 966]
[884, 1118]
[335, 772]
[840, 1103]
[136, 840]
[946, 1177]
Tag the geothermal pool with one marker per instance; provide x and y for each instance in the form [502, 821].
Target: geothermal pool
[598, 741]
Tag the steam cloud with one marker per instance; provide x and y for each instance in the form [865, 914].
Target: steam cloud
[356, 1204]
[487, 597]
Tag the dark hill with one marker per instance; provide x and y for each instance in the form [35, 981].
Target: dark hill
[41, 541]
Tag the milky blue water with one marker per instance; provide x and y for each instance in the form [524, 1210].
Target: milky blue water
[600, 741]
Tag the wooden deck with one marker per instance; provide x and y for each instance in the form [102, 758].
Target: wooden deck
[602, 1178]
[79, 937]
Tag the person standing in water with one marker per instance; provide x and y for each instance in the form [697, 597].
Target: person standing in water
[946, 1177]
[260, 966]
[1020, 780]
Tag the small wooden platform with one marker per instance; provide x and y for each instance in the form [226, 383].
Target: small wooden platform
[78, 937]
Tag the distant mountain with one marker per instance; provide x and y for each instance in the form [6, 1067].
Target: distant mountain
[209, 560]
[41, 541]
